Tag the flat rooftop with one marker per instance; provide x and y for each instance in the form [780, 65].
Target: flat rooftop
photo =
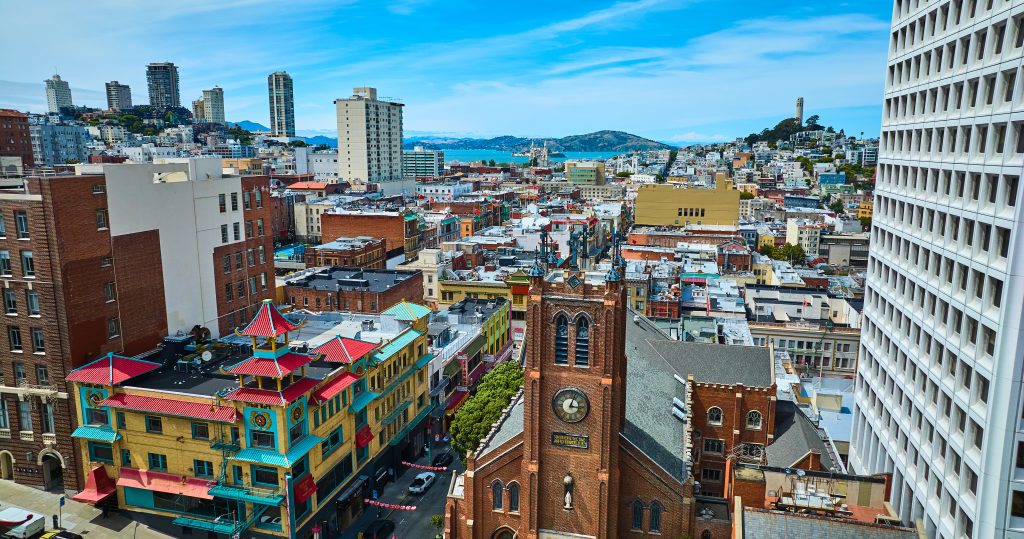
[337, 279]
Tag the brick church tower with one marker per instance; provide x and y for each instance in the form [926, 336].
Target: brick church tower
[575, 385]
[575, 455]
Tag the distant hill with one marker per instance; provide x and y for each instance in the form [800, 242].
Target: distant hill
[250, 126]
[601, 141]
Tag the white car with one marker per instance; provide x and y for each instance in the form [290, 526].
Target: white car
[422, 483]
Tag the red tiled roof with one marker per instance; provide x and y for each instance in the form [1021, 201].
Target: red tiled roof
[308, 185]
[272, 397]
[111, 370]
[334, 387]
[344, 350]
[268, 322]
[165, 482]
[196, 410]
[273, 368]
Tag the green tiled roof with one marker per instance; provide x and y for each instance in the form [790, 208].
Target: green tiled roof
[98, 434]
[397, 344]
[245, 495]
[407, 311]
[273, 458]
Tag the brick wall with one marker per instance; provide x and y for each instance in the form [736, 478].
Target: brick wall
[140, 290]
[371, 256]
[389, 227]
[360, 301]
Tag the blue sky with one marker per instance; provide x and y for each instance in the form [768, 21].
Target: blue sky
[673, 70]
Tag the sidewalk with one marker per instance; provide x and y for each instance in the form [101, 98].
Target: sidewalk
[78, 517]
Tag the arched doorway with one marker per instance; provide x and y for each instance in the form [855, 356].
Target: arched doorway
[6, 465]
[53, 470]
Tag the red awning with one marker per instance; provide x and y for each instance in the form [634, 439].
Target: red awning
[98, 485]
[304, 488]
[456, 400]
[695, 280]
[165, 482]
[363, 436]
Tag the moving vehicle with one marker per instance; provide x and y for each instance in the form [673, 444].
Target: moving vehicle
[422, 483]
[379, 529]
[21, 523]
[444, 459]
[61, 534]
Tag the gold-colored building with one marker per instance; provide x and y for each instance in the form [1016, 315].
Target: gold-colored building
[584, 172]
[256, 441]
[676, 205]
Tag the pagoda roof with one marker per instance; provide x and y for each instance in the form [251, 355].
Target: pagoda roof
[268, 322]
[110, 370]
[270, 367]
[272, 397]
[344, 350]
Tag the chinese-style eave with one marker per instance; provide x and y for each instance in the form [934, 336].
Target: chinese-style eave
[111, 370]
[272, 397]
[344, 350]
[268, 322]
[272, 367]
[175, 407]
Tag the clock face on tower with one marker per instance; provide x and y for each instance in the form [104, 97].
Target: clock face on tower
[570, 405]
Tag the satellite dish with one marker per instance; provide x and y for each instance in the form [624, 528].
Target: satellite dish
[207, 355]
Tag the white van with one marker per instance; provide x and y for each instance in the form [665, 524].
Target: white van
[35, 525]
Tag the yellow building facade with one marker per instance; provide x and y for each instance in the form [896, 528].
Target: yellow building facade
[675, 205]
[269, 444]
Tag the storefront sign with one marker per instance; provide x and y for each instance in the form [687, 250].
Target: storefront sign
[579, 441]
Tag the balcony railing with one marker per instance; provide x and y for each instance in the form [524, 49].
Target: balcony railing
[441, 384]
[5, 433]
[26, 435]
[49, 438]
[225, 443]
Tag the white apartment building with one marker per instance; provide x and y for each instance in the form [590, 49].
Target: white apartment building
[423, 163]
[213, 105]
[806, 234]
[370, 142]
[58, 93]
[282, 104]
[938, 392]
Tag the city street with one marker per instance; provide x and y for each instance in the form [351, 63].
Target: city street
[78, 517]
[409, 524]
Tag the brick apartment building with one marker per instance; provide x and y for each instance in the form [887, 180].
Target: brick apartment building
[14, 136]
[362, 251]
[113, 262]
[353, 289]
[399, 228]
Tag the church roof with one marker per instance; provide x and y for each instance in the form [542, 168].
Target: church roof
[751, 366]
[510, 426]
[795, 435]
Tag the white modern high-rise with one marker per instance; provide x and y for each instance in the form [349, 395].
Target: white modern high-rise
[282, 104]
[213, 105]
[370, 142]
[58, 93]
[939, 381]
[119, 96]
[162, 81]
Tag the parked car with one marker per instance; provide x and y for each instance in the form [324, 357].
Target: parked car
[379, 529]
[444, 459]
[60, 534]
[422, 483]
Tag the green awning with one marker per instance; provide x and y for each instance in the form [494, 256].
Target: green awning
[273, 458]
[216, 527]
[246, 495]
[96, 434]
[396, 345]
[362, 400]
[452, 367]
[412, 424]
[474, 347]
